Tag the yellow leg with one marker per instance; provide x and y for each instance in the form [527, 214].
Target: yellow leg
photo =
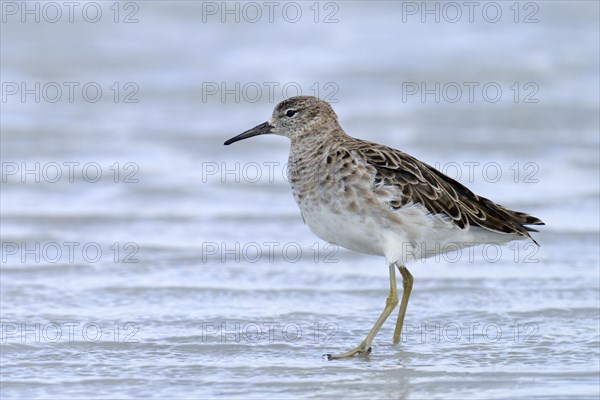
[390, 303]
[407, 284]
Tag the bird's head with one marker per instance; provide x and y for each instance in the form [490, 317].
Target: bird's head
[295, 118]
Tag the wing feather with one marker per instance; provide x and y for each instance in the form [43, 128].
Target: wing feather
[420, 183]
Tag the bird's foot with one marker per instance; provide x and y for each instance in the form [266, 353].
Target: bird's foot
[362, 348]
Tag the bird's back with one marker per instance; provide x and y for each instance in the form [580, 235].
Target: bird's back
[419, 183]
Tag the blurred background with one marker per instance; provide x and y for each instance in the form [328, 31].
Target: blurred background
[142, 258]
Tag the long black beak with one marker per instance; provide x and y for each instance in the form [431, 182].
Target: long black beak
[261, 129]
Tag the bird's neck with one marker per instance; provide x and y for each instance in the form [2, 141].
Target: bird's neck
[316, 142]
[310, 150]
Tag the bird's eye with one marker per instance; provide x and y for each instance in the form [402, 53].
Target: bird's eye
[290, 113]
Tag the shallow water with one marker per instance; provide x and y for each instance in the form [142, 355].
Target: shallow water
[184, 269]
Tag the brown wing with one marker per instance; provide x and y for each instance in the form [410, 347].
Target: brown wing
[440, 194]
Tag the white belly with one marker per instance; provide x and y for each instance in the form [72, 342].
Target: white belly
[419, 236]
[346, 230]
